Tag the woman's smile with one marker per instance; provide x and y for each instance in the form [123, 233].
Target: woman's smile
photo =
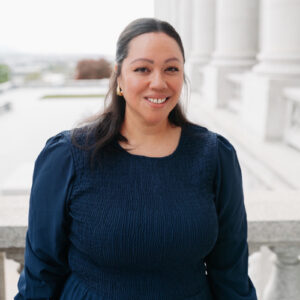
[157, 101]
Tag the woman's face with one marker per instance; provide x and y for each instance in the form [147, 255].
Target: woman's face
[152, 72]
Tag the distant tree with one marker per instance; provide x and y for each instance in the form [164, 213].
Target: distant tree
[4, 73]
[93, 69]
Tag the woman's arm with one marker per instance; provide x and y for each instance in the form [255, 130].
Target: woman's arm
[227, 264]
[46, 267]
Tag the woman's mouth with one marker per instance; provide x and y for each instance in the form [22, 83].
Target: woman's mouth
[157, 100]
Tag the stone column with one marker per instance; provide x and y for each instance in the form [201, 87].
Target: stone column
[175, 15]
[263, 105]
[168, 10]
[280, 38]
[284, 282]
[236, 47]
[2, 275]
[186, 25]
[162, 10]
[203, 40]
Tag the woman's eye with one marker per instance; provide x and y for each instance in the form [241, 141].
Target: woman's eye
[141, 70]
[172, 69]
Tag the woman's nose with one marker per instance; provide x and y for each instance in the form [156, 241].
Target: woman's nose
[158, 81]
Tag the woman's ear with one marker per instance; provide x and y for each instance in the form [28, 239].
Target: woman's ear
[116, 68]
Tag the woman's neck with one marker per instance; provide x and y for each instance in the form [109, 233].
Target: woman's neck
[144, 134]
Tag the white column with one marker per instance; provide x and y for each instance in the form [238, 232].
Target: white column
[162, 10]
[176, 14]
[203, 40]
[280, 38]
[186, 25]
[263, 104]
[168, 10]
[236, 47]
[236, 32]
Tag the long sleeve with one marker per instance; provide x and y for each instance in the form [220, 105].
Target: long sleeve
[227, 263]
[46, 266]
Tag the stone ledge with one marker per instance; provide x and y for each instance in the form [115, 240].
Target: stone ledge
[273, 206]
[12, 236]
[271, 220]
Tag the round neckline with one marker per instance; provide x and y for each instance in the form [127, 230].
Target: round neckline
[139, 156]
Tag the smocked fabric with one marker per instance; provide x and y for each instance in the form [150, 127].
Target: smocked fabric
[137, 227]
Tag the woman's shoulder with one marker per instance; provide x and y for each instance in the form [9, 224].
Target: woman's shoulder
[82, 137]
[73, 141]
[56, 148]
[60, 138]
[214, 144]
[197, 129]
[200, 131]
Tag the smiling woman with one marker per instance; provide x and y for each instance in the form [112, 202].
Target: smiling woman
[151, 81]
[161, 220]
[149, 68]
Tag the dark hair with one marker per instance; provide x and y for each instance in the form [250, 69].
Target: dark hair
[104, 128]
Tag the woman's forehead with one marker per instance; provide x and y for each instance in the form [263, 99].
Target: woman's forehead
[154, 44]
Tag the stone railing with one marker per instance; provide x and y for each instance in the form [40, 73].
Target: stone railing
[13, 226]
[292, 132]
[235, 80]
[273, 221]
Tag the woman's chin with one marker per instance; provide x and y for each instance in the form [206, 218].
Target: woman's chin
[156, 120]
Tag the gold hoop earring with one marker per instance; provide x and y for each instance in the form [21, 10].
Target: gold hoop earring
[119, 91]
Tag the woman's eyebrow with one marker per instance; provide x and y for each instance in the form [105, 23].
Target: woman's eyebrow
[143, 59]
[152, 62]
[172, 58]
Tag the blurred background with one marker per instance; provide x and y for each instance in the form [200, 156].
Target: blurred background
[243, 65]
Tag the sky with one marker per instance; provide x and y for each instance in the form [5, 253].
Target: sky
[67, 26]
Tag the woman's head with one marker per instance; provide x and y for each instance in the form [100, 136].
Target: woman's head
[142, 26]
[151, 78]
[127, 37]
[106, 126]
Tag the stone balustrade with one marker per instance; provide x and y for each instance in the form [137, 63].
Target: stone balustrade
[273, 221]
[236, 82]
[13, 226]
[292, 131]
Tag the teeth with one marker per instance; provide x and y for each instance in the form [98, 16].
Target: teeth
[153, 100]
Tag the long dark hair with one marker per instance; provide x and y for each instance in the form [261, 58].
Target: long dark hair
[104, 128]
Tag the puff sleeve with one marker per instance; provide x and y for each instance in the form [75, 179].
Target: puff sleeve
[46, 266]
[227, 263]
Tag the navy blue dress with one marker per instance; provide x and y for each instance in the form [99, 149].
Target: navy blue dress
[138, 227]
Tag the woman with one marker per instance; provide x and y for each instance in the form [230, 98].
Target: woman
[140, 203]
